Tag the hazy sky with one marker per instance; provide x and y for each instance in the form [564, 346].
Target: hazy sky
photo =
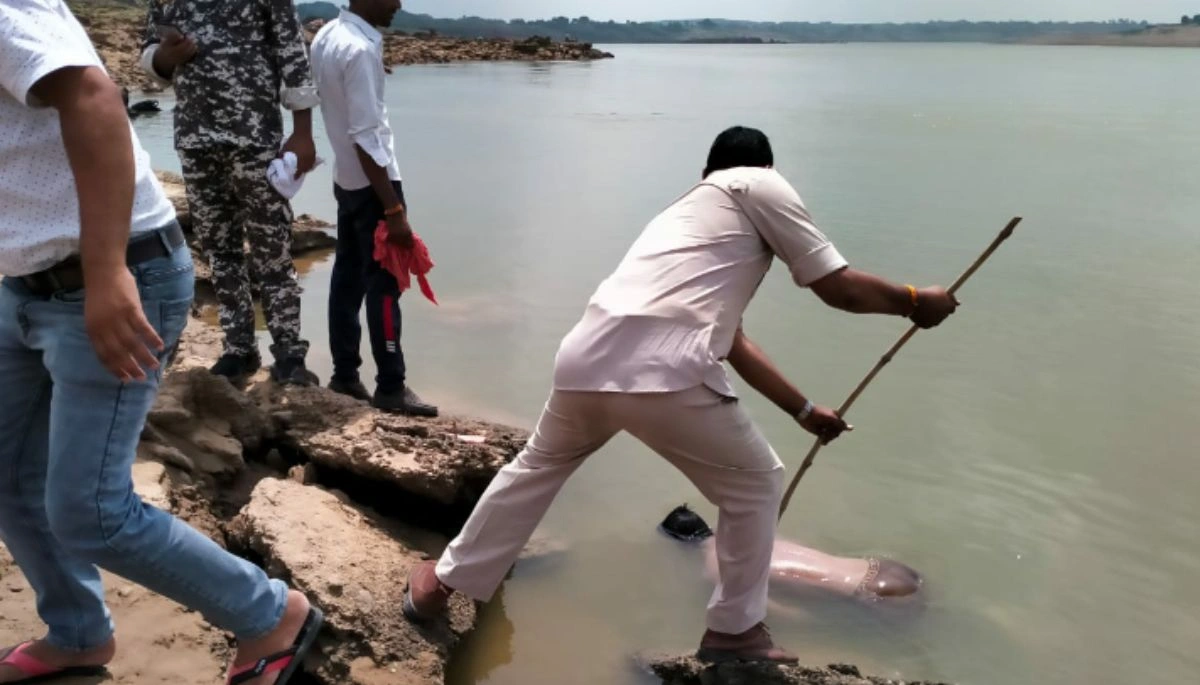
[815, 10]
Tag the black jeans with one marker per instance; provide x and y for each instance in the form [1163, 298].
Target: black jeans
[356, 275]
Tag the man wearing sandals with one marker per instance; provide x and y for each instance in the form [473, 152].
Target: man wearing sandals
[97, 290]
[646, 359]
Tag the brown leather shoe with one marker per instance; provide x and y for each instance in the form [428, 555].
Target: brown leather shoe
[426, 597]
[753, 645]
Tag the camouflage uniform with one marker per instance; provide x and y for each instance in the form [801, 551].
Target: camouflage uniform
[228, 127]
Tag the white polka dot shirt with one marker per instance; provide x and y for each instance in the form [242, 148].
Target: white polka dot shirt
[39, 207]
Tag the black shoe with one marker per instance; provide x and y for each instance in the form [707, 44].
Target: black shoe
[237, 367]
[293, 372]
[405, 402]
[353, 388]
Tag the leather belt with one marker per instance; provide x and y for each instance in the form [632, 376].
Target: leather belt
[67, 275]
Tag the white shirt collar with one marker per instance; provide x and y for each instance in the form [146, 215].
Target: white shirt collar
[369, 32]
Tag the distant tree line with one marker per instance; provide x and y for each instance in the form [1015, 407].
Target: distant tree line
[720, 30]
[1190, 20]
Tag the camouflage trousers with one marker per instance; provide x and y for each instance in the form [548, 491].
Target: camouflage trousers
[232, 204]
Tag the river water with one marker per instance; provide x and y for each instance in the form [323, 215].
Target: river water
[1033, 458]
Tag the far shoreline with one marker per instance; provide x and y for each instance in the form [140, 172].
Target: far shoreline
[116, 32]
[1163, 36]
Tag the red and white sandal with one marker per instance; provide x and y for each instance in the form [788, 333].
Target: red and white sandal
[37, 671]
[287, 662]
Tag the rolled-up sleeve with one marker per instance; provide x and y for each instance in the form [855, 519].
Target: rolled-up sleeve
[36, 41]
[150, 43]
[297, 91]
[147, 64]
[362, 72]
[776, 210]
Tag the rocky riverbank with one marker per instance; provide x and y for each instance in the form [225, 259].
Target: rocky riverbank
[403, 50]
[319, 489]
[338, 500]
[685, 670]
[116, 28]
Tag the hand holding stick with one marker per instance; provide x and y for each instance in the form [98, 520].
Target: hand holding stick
[887, 357]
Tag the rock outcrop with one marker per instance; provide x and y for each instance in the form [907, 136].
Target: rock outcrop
[220, 458]
[117, 28]
[684, 670]
[353, 566]
[449, 461]
[402, 50]
[202, 425]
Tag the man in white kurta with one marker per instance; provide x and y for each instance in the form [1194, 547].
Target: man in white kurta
[647, 358]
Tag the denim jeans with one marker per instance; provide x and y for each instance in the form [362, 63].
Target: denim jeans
[68, 437]
[356, 275]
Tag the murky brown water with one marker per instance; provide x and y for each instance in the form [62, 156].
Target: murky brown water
[1035, 459]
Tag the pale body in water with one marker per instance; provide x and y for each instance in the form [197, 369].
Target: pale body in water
[796, 566]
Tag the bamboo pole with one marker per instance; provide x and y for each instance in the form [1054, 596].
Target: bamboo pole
[887, 357]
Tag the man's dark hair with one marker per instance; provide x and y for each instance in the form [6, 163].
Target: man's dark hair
[739, 146]
[684, 524]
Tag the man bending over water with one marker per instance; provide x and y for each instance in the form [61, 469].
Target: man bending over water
[646, 359]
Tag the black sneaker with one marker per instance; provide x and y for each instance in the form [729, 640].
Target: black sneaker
[293, 372]
[353, 388]
[405, 402]
[237, 367]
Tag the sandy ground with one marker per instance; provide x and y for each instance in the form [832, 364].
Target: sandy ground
[159, 641]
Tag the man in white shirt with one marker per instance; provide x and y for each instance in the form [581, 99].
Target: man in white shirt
[97, 290]
[347, 59]
[646, 358]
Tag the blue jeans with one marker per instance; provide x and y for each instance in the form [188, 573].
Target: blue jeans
[357, 276]
[68, 437]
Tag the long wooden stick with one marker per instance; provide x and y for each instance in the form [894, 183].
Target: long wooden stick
[887, 357]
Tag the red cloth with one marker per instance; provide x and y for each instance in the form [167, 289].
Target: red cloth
[400, 262]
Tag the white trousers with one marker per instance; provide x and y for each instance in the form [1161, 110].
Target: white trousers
[707, 437]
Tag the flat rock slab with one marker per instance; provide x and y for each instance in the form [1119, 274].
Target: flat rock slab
[202, 425]
[449, 461]
[686, 670]
[352, 566]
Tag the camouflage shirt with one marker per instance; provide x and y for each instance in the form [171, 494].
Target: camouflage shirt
[251, 59]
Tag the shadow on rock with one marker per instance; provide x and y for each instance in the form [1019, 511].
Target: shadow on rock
[686, 670]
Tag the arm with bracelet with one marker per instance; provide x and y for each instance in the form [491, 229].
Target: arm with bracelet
[757, 369]
[783, 222]
[394, 212]
[366, 130]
